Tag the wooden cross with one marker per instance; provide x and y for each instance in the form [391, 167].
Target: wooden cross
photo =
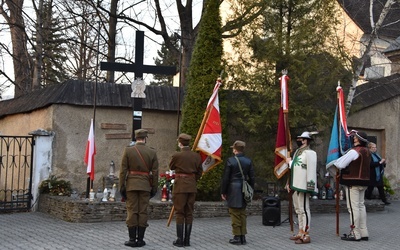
[138, 68]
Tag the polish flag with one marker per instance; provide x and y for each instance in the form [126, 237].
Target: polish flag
[90, 152]
[210, 142]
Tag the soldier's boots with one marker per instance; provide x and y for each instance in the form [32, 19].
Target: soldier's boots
[179, 233]
[188, 231]
[243, 239]
[132, 237]
[140, 242]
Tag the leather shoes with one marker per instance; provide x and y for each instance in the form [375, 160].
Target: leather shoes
[303, 240]
[236, 240]
[295, 237]
[364, 238]
[349, 238]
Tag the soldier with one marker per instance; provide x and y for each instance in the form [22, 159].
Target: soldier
[139, 174]
[188, 170]
[236, 168]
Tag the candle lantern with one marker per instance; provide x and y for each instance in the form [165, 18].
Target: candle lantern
[164, 193]
[112, 170]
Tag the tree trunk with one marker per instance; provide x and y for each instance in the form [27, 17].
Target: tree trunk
[37, 72]
[21, 59]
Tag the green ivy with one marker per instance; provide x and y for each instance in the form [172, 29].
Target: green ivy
[387, 187]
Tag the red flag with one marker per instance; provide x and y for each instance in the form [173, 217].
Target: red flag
[90, 152]
[281, 150]
[210, 133]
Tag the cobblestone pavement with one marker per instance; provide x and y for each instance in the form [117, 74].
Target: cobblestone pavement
[40, 231]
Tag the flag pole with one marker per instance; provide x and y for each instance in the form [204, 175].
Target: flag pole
[288, 143]
[289, 174]
[337, 173]
[196, 141]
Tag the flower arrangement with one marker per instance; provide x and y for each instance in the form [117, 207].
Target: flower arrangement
[166, 178]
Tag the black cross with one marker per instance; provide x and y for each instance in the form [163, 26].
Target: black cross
[138, 68]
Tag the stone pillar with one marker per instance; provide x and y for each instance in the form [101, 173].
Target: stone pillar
[42, 161]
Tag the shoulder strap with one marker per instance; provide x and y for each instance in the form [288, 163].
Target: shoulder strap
[141, 157]
[240, 166]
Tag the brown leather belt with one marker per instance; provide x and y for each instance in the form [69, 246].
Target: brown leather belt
[131, 172]
[183, 175]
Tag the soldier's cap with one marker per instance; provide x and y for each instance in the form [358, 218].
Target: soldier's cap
[184, 139]
[305, 135]
[239, 145]
[141, 133]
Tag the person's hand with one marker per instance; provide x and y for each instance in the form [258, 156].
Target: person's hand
[223, 197]
[288, 159]
[153, 192]
[287, 187]
[382, 161]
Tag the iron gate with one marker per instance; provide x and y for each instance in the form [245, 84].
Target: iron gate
[16, 168]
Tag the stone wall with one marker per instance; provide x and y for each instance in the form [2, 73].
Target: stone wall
[81, 210]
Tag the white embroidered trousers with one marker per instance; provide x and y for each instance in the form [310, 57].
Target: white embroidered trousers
[357, 211]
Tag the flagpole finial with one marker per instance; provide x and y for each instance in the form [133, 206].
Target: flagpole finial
[284, 72]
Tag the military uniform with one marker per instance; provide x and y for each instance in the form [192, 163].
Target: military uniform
[231, 187]
[188, 170]
[139, 166]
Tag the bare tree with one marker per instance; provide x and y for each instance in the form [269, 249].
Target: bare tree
[185, 26]
[375, 26]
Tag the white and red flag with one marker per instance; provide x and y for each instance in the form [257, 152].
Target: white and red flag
[90, 152]
[284, 79]
[282, 144]
[210, 133]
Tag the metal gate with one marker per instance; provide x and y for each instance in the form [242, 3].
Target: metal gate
[16, 168]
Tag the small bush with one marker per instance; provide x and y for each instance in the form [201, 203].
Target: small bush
[54, 186]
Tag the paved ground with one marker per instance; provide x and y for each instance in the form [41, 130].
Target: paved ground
[40, 231]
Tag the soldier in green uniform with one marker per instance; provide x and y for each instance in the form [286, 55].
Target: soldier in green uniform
[139, 166]
[188, 170]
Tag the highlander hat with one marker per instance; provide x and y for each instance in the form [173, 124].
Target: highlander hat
[305, 135]
[362, 136]
[141, 133]
[239, 145]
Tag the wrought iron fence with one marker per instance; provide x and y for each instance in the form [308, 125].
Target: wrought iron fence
[16, 168]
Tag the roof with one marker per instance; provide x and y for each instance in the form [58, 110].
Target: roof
[78, 92]
[376, 91]
[358, 11]
[394, 46]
